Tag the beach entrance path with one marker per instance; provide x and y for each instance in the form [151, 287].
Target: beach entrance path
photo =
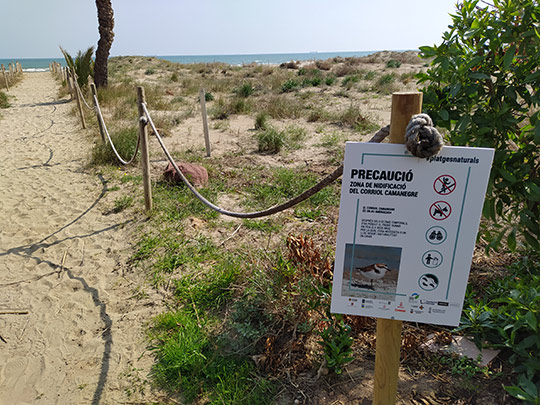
[71, 331]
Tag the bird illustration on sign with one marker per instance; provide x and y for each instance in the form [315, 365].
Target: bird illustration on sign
[374, 271]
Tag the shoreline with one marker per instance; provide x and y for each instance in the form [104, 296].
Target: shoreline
[264, 59]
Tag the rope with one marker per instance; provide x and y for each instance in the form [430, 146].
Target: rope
[378, 137]
[421, 138]
[82, 97]
[100, 118]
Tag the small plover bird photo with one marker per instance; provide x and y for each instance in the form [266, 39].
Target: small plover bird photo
[374, 271]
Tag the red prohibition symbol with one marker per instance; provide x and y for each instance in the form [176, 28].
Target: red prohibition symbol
[440, 210]
[444, 184]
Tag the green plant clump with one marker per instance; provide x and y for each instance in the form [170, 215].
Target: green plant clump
[261, 121]
[392, 63]
[507, 316]
[289, 85]
[82, 64]
[4, 101]
[271, 140]
[125, 142]
[336, 343]
[245, 90]
[483, 87]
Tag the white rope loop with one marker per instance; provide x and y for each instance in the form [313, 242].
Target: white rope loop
[421, 138]
[100, 118]
[82, 97]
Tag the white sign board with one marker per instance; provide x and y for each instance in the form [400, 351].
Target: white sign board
[406, 232]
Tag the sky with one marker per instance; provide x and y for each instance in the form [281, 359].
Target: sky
[36, 28]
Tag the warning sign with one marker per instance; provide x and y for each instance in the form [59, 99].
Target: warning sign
[406, 232]
[440, 210]
[444, 184]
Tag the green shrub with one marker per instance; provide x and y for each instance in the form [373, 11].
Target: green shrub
[239, 106]
[174, 77]
[124, 140]
[122, 203]
[507, 316]
[219, 110]
[483, 88]
[392, 63]
[385, 84]
[208, 96]
[386, 79]
[4, 101]
[329, 80]
[149, 71]
[282, 106]
[313, 81]
[270, 140]
[352, 116]
[295, 136]
[337, 343]
[261, 121]
[370, 75]
[245, 90]
[289, 85]
[349, 81]
[318, 114]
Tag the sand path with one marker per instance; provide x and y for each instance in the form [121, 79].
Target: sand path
[60, 260]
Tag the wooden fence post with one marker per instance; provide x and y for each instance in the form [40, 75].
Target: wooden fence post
[78, 98]
[68, 79]
[5, 77]
[94, 97]
[202, 98]
[145, 160]
[388, 343]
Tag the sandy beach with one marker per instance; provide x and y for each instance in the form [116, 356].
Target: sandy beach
[71, 331]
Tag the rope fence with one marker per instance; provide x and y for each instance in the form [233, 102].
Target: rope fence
[422, 140]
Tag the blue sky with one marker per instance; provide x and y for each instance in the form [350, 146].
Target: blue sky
[35, 28]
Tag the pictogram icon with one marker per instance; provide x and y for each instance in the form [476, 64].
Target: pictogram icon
[440, 210]
[444, 184]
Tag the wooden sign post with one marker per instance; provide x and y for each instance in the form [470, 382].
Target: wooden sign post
[404, 106]
[410, 225]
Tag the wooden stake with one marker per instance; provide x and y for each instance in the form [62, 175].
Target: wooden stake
[404, 106]
[202, 97]
[145, 160]
[68, 79]
[78, 98]
[94, 96]
[5, 77]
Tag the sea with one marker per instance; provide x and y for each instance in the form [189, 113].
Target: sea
[42, 64]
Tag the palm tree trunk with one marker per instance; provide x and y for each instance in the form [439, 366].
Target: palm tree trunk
[106, 37]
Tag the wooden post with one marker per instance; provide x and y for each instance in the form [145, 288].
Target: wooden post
[68, 79]
[94, 96]
[145, 160]
[5, 77]
[78, 98]
[202, 98]
[404, 106]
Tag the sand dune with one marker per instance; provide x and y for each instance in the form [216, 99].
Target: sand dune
[70, 333]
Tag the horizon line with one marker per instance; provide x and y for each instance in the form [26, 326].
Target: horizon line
[220, 54]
